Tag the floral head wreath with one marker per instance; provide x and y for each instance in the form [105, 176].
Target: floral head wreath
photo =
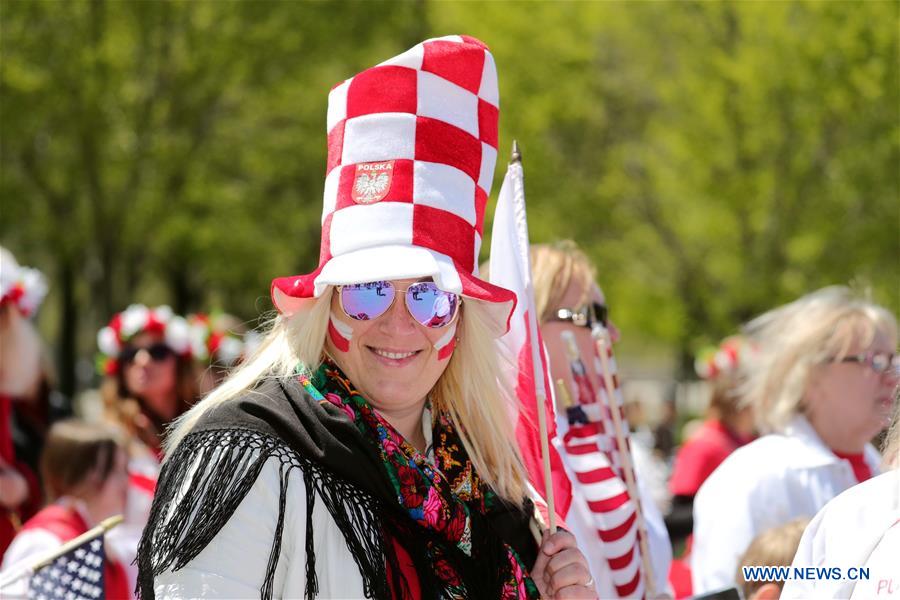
[711, 362]
[23, 287]
[134, 320]
[212, 341]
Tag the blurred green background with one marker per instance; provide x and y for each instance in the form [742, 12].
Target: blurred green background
[714, 158]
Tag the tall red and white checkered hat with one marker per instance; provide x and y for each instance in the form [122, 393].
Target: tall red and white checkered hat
[412, 145]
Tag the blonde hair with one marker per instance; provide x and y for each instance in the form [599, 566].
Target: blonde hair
[891, 448]
[468, 389]
[773, 547]
[792, 340]
[554, 268]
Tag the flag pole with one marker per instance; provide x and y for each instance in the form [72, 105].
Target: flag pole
[601, 338]
[540, 395]
[31, 569]
[104, 526]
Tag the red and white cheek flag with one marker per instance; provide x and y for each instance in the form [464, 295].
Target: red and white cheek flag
[510, 268]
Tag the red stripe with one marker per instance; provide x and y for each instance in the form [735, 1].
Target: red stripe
[339, 341]
[444, 232]
[596, 475]
[608, 504]
[462, 64]
[488, 117]
[625, 591]
[585, 430]
[617, 533]
[481, 200]
[620, 562]
[385, 89]
[447, 350]
[335, 146]
[142, 482]
[440, 142]
[581, 449]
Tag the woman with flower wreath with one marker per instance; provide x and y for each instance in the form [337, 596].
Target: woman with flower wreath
[145, 354]
[364, 449]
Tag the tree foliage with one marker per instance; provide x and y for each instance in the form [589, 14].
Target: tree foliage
[713, 158]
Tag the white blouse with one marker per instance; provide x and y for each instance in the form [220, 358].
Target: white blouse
[234, 563]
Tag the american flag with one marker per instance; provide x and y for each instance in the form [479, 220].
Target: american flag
[76, 575]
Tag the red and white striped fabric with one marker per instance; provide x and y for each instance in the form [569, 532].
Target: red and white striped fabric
[412, 146]
[591, 454]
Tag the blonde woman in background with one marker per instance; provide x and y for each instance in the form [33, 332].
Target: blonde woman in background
[822, 387]
[859, 528]
[568, 298]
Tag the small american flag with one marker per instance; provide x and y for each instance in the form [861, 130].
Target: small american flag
[76, 575]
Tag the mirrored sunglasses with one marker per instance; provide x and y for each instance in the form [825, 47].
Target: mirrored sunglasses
[426, 303]
[585, 316]
[158, 352]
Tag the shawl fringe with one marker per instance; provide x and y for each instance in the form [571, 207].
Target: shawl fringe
[210, 473]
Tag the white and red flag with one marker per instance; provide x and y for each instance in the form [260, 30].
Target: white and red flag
[510, 268]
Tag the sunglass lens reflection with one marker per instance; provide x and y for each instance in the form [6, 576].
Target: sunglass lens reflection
[431, 306]
[366, 301]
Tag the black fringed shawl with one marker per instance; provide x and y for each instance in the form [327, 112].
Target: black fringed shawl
[215, 466]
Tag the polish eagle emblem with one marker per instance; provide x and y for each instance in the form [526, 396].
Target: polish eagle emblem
[372, 182]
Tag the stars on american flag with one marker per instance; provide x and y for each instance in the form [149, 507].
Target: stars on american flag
[76, 575]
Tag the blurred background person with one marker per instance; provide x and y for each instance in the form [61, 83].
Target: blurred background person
[21, 375]
[859, 528]
[145, 356]
[728, 426]
[150, 379]
[821, 387]
[84, 468]
[217, 345]
[568, 302]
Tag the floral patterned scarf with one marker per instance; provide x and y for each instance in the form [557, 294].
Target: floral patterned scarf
[439, 497]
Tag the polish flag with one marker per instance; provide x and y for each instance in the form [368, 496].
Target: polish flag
[510, 267]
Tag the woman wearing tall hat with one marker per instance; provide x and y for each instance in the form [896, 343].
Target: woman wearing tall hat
[364, 450]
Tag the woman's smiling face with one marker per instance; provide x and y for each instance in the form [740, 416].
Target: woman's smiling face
[392, 360]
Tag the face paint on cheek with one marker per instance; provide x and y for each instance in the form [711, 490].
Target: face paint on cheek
[340, 333]
[447, 343]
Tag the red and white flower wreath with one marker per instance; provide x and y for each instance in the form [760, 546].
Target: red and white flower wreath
[23, 287]
[137, 319]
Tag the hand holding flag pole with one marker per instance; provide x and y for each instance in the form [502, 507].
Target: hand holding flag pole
[601, 339]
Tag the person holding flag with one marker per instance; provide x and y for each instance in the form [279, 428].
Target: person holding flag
[545, 278]
[362, 450]
[84, 471]
[622, 528]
